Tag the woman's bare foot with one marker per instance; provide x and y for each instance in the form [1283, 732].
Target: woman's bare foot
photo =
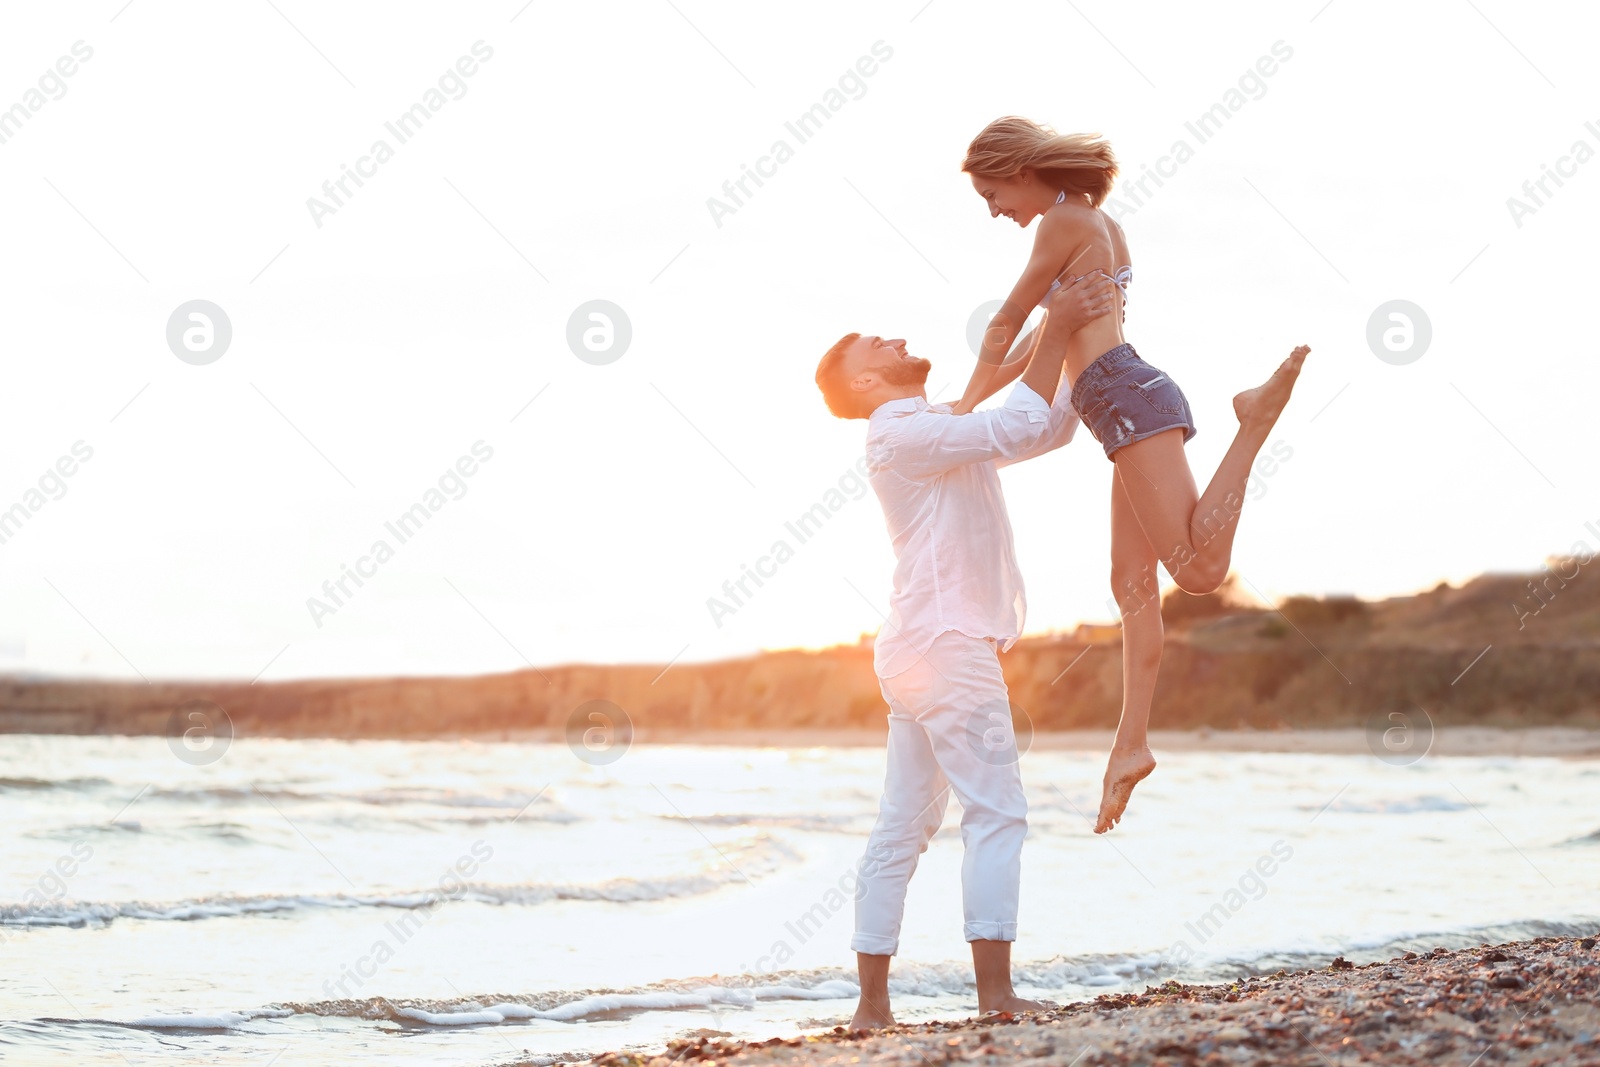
[1262, 405]
[1013, 1004]
[1125, 769]
[871, 1016]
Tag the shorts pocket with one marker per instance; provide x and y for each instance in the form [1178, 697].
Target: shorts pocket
[1162, 393]
[1112, 373]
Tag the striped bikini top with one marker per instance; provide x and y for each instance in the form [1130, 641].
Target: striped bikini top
[1123, 275]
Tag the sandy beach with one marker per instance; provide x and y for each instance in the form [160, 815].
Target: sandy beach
[1524, 1003]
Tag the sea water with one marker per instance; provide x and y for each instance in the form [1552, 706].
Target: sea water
[394, 902]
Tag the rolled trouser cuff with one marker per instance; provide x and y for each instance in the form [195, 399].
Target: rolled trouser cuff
[990, 931]
[874, 944]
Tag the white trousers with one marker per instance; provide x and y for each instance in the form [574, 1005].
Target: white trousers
[949, 730]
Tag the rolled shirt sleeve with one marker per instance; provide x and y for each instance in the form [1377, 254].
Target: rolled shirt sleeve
[930, 442]
[1063, 423]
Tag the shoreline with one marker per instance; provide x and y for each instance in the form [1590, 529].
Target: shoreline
[1553, 741]
[1529, 1002]
[1561, 742]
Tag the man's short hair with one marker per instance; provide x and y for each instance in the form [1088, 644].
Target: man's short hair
[834, 383]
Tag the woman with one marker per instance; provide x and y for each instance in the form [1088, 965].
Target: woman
[1137, 413]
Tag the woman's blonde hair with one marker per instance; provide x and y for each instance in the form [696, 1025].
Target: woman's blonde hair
[1073, 162]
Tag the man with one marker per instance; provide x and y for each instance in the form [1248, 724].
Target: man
[957, 602]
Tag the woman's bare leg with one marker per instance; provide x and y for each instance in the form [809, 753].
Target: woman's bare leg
[1194, 536]
[1135, 584]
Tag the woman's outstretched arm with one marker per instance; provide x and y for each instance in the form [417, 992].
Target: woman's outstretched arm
[1068, 310]
[1044, 264]
[1011, 369]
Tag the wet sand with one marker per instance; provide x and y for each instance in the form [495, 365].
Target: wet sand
[1522, 1003]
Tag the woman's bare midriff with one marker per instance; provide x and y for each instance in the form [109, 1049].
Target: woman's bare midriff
[1103, 252]
[1092, 342]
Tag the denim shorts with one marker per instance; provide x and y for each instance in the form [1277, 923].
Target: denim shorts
[1123, 399]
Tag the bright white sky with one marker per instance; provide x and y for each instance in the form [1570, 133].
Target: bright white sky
[369, 354]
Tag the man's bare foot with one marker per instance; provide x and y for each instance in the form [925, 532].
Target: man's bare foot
[871, 1016]
[1013, 1004]
[1261, 406]
[1124, 770]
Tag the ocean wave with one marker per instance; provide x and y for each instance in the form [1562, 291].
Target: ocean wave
[845, 822]
[1064, 973]
[1397, 944]
[383, 798]
[690, 994]
[535, 808]
[732, 991]
[552, 1007]
[34, 785]
[1590, 838]
[1075, 977]
[226, 1020]
[568, 1007]
[1080, 975]
[762, 856]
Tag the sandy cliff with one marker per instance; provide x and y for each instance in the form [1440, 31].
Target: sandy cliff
[1501, 650]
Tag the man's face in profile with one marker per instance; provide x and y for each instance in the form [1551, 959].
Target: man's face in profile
[887, 360]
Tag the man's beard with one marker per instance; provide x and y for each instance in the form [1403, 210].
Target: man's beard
[913, 370]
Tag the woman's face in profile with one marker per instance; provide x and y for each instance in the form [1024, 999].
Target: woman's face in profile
[1014, 198]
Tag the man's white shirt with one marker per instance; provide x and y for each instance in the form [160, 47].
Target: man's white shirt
[935, 474]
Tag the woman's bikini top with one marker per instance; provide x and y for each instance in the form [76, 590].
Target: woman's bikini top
[1123, 276]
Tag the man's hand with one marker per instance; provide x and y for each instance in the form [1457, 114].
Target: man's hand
[1071, 307]
[1067, 309]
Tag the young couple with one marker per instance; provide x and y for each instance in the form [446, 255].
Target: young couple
[958, 595]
